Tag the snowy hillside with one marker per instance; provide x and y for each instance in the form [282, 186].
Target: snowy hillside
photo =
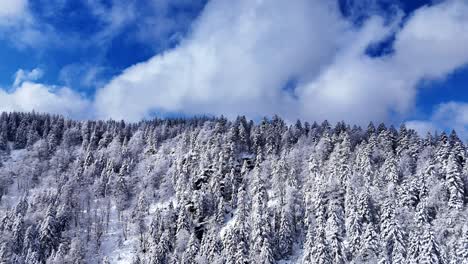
[210, 190]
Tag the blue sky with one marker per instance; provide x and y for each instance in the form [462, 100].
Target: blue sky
[354, 60]
[84, 38]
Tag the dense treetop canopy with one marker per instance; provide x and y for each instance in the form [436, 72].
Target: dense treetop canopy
[213, 190]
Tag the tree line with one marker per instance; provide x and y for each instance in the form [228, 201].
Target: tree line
[213, 190]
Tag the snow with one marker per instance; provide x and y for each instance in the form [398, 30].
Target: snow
[228, 225]
[161, 205]
[154, 196]
[10, 167]
[113, 245]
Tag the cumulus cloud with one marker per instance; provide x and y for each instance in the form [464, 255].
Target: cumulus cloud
[31, 96]
[159, 27]
[433, 42]
[23, 75]
[19, 27]
[10, 11]
[359, 88]
[27, 95]
[235, 62]
[299, 59]
[423, 127]
[446, 116]
[241, 54]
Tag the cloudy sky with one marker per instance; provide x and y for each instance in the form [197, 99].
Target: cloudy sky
[387, 61]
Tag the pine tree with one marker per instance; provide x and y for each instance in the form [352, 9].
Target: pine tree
[18, 235]
[260, 225]
[316, 249]
[416, 239]
[354, 231]
[308, 247]
[320, 250]
[389, 170]
[457, 147]
[339, 159]
[183, 220]
[241, 229]
[370, 245]
[392, 234]
[31, 241]
[162, 250]
[285, 236]
[415, 247]
[221, 191]
[430, 251]
[442, 152]
[3, 134]
[462, 246]
[6, 254]
[211, 246]
[32, 257]
[48, 234]
[266, 254]
[230, 246]
[362, 165]
[122, 190]
[334, 232]
[191, 251]
[220, 212]
[455, 182]
[21, 134]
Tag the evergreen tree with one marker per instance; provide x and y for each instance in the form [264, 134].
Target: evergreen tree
[455, 182]
[462, 247]
[339, 159]
[221, 191]
[389, 170]
[334, 231]
[369, 252]
[430, 251]
[191, 251]
[286, 235]
[48, 234]
[392, 234]
[320, 250]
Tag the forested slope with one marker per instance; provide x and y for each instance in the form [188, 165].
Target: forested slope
[210, 190]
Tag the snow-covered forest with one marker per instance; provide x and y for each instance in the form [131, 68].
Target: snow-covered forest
[212, 190]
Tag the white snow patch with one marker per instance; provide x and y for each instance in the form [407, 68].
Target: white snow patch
[114, 246]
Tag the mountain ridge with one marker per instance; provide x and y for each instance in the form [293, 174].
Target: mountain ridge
[213, 190]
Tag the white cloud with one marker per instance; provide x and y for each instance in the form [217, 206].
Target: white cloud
[355, 87]
[358, 88]
[157, 25]
[446, 116]
[22, 76]
[423, 127]
[41, 98]
[434, 41]
[452, 113]
[241, 53]
[11, 11]
[84, 75]
[115, 16]
[19, 27]
[235, 61]
[27, 95]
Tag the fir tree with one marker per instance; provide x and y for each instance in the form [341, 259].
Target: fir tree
[455, 182]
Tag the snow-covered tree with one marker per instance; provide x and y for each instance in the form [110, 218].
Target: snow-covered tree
[214, 190]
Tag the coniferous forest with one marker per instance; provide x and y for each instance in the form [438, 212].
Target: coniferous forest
[213, 190]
